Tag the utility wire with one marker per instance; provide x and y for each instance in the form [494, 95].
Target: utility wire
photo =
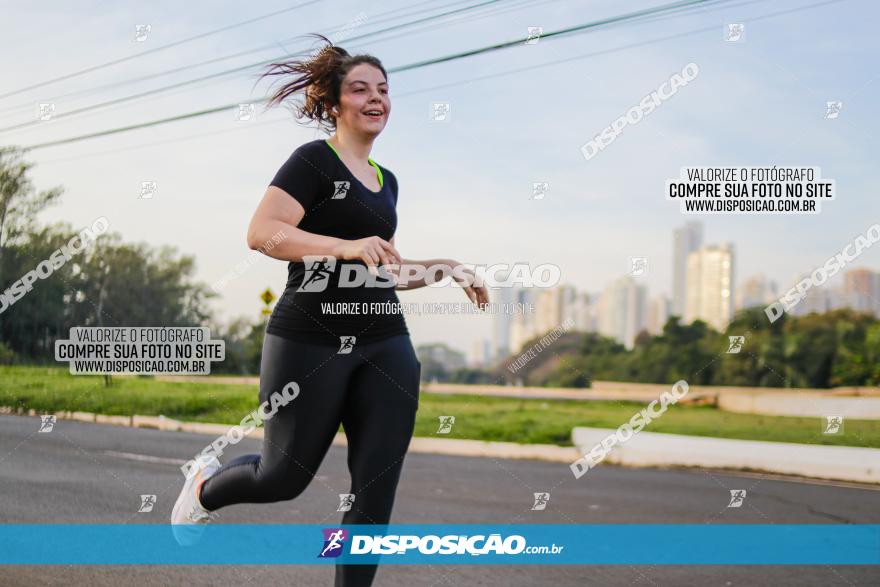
[154, 50]
[223, 73]
[459, 83]
[87, 91]
[555, 34]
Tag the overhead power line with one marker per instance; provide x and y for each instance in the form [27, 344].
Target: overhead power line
[227, 72]
[154, 50]
[460, 82]
[378, 18]
[491, 48]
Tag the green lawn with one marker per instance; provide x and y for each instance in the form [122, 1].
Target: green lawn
[50, 389]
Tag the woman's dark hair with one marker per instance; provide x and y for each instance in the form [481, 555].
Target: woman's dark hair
[321, 77]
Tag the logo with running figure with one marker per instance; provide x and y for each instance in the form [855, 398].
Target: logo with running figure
[346, 500]
[737, 497]
[833, 425]
[346, 344]
[446, 423]
[832, 109]
[147, 503]
[319, 268]
[47, 423]
[734, 32]
[736, 344]
[334, 539]
[340, 189]
[541, 500]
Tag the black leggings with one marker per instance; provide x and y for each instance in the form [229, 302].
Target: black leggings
[372, 391]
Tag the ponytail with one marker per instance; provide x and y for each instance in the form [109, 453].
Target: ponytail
[321, 79]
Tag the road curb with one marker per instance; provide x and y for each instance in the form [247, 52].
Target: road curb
[419, 444]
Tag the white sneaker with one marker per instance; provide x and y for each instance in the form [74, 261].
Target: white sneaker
[188, 518]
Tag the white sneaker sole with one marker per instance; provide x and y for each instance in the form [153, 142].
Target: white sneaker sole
[188, 533]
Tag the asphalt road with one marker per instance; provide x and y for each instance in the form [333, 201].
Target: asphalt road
[88, 473]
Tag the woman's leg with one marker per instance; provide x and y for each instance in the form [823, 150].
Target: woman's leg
[297, 437]
[378, 417]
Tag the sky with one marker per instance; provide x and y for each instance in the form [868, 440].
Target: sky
[518, 116]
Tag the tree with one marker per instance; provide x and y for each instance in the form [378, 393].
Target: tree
[19, 201]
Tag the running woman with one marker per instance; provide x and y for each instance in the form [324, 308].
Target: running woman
[360, 370]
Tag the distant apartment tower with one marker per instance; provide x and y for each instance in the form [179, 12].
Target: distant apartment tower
[502, 322]
[756, 291]
[861, 289]
[685, 240]
[584, 313]
[524, 325]
[658, 314]
[481, 354]
[554, 306]
[621, 310]
[709, 288]
[818, 299]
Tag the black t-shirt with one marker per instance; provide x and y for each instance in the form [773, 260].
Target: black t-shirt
[337, 204]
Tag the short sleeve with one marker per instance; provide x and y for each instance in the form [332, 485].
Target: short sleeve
[392, 182]
[300, 178]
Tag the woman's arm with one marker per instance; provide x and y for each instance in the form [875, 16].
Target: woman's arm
[478, 294]
[276, 219]
[278, 215]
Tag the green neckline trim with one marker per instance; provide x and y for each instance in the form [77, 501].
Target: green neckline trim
[373, 163]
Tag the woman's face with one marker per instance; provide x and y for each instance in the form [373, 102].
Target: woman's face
[364, 90]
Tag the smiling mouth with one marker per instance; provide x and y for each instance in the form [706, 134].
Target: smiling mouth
[375, 114]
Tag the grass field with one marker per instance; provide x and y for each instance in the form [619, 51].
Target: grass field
[48, 390]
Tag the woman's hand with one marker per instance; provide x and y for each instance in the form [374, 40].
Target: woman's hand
[373, 251]
[478, 294]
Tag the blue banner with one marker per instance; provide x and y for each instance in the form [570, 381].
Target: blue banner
[526, 544]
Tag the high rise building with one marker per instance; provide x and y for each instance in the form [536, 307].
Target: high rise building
[819, 299]
[756, 291]
[861, 288]
[658, 314]
[524, 325]
[554, 305]
[502, 322]
[709, 291]
[685, 240]
[621, 310]
[481, 354]
[584, 313]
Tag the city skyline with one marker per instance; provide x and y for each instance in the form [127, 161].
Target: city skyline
[624, 307]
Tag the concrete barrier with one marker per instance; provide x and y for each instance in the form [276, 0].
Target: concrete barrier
[652, 449]
[804, 404]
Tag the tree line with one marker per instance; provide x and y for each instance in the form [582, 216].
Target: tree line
[101, 282]
[113, 283]
[833, 349]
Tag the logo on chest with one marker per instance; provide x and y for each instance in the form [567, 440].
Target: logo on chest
[340, 190]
